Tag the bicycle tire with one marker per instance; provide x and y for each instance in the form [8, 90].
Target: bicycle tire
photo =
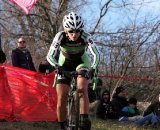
[77, 110]
[73, 112]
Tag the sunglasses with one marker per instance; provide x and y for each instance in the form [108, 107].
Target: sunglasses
[21, 42]
[74, 31]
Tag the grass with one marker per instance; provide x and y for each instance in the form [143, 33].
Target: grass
[115, 125]
[96, 125]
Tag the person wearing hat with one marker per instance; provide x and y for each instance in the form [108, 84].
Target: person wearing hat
[119, 101]
[104, 108]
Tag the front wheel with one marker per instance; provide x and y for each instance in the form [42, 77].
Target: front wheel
[73, 111]
[77, 110]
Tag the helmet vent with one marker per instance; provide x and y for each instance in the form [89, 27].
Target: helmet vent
[78, 23]
[72, 21]
[76, 17]
[72, 18]
[67, 26]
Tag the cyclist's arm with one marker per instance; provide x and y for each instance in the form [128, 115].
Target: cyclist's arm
[92, 48]
[51, 56]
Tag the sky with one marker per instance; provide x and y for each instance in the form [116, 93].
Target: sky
[119, 17]
[115, 17]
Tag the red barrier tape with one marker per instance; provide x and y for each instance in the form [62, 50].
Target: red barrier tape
[127, 78]
[29, 96]
[26, 95]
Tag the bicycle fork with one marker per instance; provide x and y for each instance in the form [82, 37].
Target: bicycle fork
[73, 110]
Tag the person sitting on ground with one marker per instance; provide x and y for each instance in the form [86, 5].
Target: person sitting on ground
[2, 57]
[131, 111]
[119, 101]
[151, 114]
[104, 108]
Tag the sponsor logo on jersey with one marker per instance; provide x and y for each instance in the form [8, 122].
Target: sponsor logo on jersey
[56, 44]
[90, 41]
[74, 44]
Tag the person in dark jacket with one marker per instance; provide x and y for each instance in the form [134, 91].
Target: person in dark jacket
[104, 108]
[119, 101]
[152, 113]
[95, 94]
[21, 56]
[45, 67]
[2, 57]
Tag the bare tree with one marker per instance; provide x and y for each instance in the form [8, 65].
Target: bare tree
[130, 49]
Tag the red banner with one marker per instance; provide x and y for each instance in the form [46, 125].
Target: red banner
[25, 5]
[26, 95]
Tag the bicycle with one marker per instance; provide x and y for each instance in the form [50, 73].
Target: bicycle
[73, 106]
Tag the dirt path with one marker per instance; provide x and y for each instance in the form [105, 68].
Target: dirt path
[28, 126]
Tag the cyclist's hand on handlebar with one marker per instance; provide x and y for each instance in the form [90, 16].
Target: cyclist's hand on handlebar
[92, 73]
[56, 66]
[58, 69]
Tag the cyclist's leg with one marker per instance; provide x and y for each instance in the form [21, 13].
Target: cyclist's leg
[62, 89]
[62, 94]
[82, 84]
[84, 103]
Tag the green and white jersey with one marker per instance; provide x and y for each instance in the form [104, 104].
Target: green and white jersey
[72, 50]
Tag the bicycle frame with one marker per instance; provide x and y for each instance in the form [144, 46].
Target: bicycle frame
[73, 106]
[73, 119]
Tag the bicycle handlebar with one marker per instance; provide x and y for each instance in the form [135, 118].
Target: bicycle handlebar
[70, 74]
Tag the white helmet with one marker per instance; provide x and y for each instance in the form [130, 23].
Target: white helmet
[72, 21]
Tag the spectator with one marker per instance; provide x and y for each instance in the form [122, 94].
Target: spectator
[151, 114]
[45, 67]
[119, 101]
[2, 57]
[99, 88]
[21, 56]
[91, 93]
[131, 111]
[104, 108]
[95, 94]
